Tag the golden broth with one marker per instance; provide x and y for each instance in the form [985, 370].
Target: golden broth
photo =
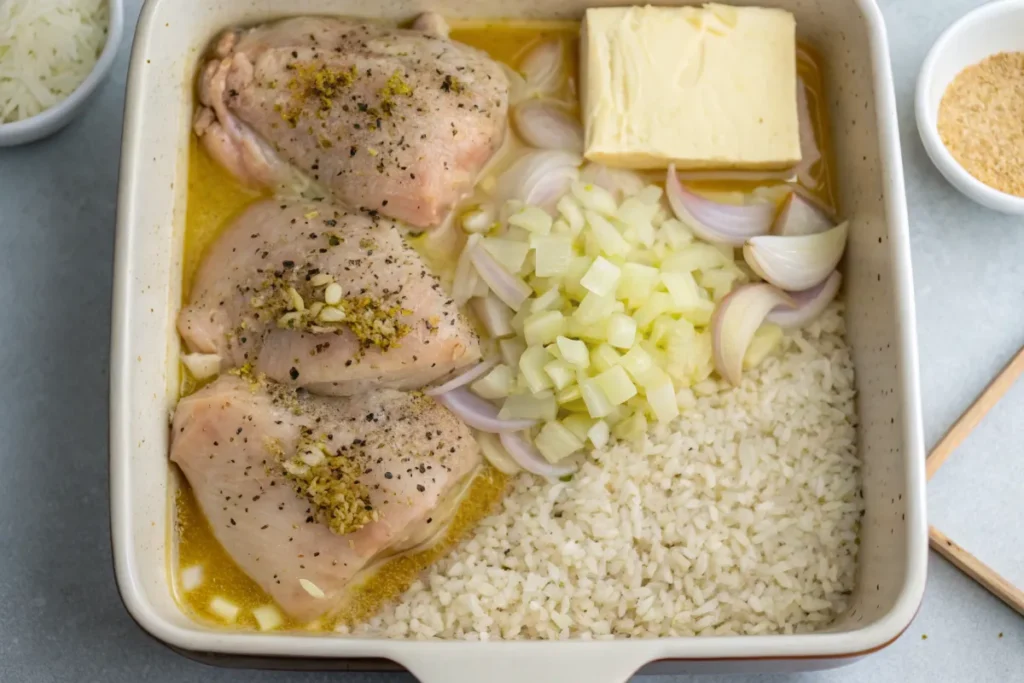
[214, 197]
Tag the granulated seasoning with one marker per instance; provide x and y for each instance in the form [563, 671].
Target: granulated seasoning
[981, 121]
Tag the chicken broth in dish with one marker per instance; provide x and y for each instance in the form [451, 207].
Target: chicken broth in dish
[409, 303]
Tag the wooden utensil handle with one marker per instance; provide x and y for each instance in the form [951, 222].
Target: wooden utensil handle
[977, 570]
[970, 419]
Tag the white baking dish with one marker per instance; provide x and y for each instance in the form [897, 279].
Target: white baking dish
[850, 36]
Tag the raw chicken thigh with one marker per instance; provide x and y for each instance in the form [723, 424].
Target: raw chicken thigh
[304, 492]
[389, 120]
[316, 297]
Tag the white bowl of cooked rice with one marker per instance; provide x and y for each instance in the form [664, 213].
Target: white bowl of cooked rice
[53, 55]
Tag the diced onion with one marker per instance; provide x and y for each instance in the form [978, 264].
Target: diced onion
[599, 434]
[191, 577]
[267, 617]
[228, 611]
[616, 385]
[556, 443]
[496, 384]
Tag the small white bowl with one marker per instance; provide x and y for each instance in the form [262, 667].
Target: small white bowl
[49, 121]
[988, 30]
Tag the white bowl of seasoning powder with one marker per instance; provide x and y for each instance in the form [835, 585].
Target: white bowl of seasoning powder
[970, 105]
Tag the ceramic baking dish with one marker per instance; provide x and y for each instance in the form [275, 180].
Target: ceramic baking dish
[850, 36]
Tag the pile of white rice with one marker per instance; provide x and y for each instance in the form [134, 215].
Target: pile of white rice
[47, 48]
[740, 518]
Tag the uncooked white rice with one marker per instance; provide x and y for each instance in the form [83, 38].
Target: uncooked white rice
[740, 518]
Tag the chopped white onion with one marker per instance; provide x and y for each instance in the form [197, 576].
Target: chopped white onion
[543, 67]
[228, 611]
[508, 287]
[267, 617]
[527, 457]
[716, 222]
[191, 577]
[736, 320]
[796, 263]
[547, 124]
[478, 413]
[478, 370]
[798, 216]
[809, 303]
[202, 365]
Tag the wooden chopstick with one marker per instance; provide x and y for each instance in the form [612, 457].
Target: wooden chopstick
[977, 570]
[970, 419]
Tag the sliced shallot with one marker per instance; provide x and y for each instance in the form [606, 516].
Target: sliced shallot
[796, 263]
[716, 222]
[530, 459]
[495, 453]
[516, 84]
[800, 217]
[736, 320]
[508, 287]
[543, 68]
[494, 315]
[465, 278]
[478, 413]
[809, 304]
[546, 124]
[539, 178]
[622, 183]
[466, 377]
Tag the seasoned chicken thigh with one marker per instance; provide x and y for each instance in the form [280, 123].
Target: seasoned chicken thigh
[304, 492]
[392, 120]
[316, 297]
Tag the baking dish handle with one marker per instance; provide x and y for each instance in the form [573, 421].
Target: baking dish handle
[526, 663]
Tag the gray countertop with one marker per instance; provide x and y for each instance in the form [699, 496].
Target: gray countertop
[61, 618]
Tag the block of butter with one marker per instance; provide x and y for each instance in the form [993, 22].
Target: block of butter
[711, 87]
